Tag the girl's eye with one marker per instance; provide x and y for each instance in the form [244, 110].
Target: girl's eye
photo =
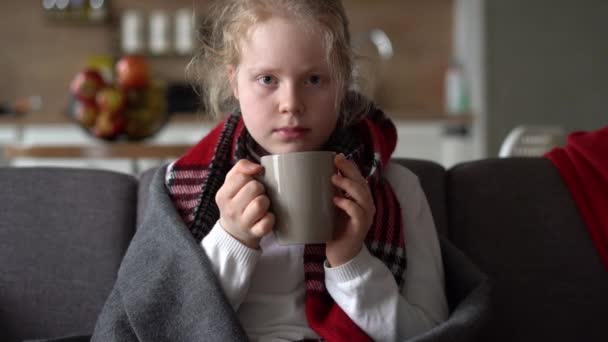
[314, 80]
[267, 80]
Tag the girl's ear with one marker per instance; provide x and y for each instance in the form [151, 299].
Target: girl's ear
[231, 72]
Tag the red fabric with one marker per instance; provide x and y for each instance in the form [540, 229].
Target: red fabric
[330, 322]
[583, 164]
[383, 138]
[205, 149]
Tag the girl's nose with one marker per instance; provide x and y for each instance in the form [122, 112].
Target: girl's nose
[291, 100]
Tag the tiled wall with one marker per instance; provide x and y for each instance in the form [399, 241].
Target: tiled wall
[40, 58]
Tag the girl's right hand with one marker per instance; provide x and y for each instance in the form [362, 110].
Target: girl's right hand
[243, 204]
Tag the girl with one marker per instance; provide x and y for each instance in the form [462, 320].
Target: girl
[283, 69]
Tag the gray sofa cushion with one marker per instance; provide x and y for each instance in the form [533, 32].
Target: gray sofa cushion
[63, 233]
[516, 220]
[432, 179]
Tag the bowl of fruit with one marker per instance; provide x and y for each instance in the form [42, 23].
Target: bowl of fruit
[131, 108]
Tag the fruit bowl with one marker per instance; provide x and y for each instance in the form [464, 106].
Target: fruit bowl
[131, 109]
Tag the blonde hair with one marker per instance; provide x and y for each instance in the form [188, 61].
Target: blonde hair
[228, 22]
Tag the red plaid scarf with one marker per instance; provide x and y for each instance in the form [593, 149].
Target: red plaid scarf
[194, 179]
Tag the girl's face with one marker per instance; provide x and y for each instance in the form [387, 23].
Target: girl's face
[283, 85]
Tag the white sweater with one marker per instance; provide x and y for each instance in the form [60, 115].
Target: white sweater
[266, 286]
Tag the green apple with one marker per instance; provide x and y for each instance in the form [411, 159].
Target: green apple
[111, 100]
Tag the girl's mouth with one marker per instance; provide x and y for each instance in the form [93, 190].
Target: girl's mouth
[291, 133]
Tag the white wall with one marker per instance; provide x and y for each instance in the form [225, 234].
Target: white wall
[546, 65]
[469, 48]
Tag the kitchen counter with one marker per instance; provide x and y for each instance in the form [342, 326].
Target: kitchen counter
[57, 140]
[40, 119]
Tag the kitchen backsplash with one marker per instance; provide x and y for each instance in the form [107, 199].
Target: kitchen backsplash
[41, 56]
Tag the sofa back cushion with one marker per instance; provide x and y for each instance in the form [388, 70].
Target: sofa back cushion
[515, 218]
[63, 233]
[432, 179]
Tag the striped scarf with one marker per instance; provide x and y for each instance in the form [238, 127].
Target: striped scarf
[194, 179]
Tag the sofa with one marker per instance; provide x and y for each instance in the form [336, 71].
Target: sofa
[63, 233]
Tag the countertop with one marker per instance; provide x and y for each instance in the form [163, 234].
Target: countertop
[41, 119]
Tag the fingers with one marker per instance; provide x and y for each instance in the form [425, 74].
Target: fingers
[248, 205]
[348, 168]
[247, 167]
[243, 204]
[352, 182]
[352, 209]
[263, 226]
[358, 218]
[242, 173]
[358, 192]
[248, 192]
[255, 211]
[358, 202]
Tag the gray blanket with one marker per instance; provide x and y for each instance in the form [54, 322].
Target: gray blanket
[166, 289]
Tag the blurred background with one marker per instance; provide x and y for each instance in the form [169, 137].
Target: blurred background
[462, 79]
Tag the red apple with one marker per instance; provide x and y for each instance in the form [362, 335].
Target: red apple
[133, 72]
[86, 84]
[109, 125]
[85, 113]
[111, 100]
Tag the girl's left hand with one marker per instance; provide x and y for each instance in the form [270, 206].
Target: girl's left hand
[356, 216]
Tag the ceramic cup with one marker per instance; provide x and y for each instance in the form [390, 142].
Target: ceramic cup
[301, 195]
